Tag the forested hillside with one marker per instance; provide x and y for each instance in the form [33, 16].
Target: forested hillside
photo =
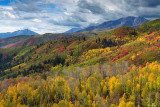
[19, 41]
[114, 68]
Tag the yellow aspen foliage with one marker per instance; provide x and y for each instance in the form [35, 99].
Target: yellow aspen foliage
[89, 97]
[92, 83]
[15, 99]
[122, 104]
[156, 68]
[62, 103]
[83, 95]
[55, 97]
[124, 98]
[19, 99]
[102, 83]
[77, 103]
[76, 92]
[118, 86]
[96, 97]
[55, 105]
[133, 57]
[158, 83]
[98, 104]
[10, 90]
[70, 104]
[151, 77]
[104, 90]
[132, 98]
[113, 105]
[93, 53]
[115, 86]
[138, 87]
[106, 99]
[29, 94]
[56, 67]
[93, 103]
[111, 83]
[36, 94]
[90, 103]
[20, 105]
[128, 87]
[18, 87]
[1, 103]
[130, 104]
[67, 93]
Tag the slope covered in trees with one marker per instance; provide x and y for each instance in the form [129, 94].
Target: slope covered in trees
[20, 41]
[116, 68]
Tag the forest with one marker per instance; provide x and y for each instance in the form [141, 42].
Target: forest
[114, 68]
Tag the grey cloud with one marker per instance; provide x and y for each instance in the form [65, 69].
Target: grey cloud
[80, 13]
[153, 3]
[94, 7]
[147, 8]
[26, 6]
[144, 3]
[67, 22]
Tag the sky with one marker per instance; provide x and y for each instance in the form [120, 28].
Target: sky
[56, 16]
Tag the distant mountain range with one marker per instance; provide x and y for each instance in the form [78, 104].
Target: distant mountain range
[127, 21]
[25, 40]
[17, 33]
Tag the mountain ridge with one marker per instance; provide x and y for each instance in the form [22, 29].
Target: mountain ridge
[126, 21]
[17, 33]
[73, 30]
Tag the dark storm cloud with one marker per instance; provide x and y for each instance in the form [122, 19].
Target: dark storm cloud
[145, 3]
[122, 8]
[153, 3]
[94, 7]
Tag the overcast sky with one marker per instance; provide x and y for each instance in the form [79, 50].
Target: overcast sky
[55, 16]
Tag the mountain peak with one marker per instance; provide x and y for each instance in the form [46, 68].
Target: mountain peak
[17, 33]
[130, 17]
[126, 21]
[26, 30]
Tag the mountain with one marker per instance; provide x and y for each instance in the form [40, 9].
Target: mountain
[118, 68]
[127, 21]
[73, 30]
[30, 40]
[17, 33]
